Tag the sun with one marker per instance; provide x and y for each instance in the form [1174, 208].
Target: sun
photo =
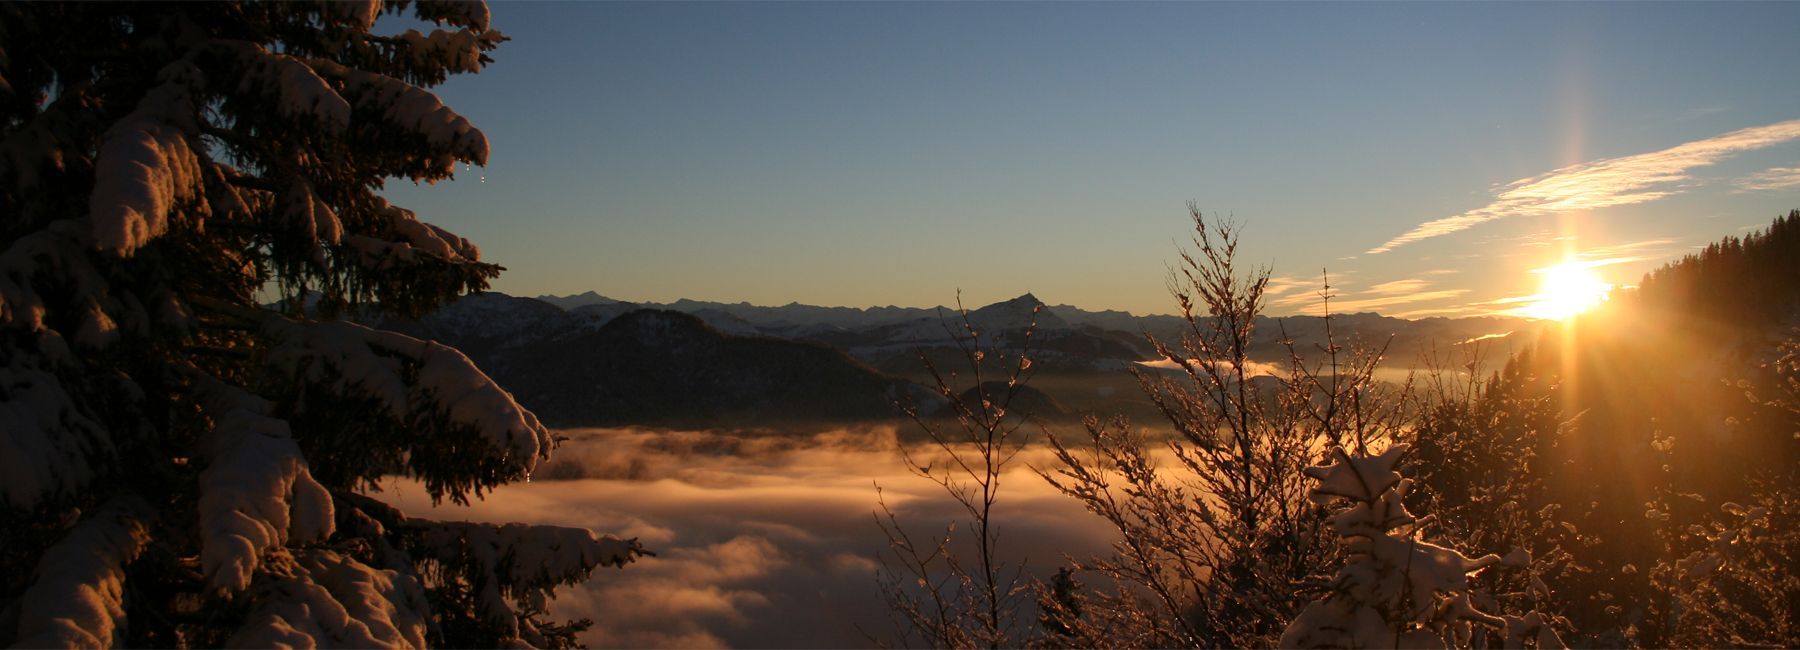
[1566, 290]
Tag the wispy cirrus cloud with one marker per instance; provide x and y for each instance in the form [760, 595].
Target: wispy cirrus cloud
[1590, 263]
[1281, 285]
[1640, 249]
[1355, 305]
[1421, 288]
[1604, 183]
[1398, 287]
[1455, 312]
[1373, 299]
[1773, 178]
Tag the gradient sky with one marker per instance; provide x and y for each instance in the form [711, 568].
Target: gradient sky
[872, 154]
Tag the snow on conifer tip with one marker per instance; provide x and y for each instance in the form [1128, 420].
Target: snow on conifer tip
[32, 147]
[428, 237]
[461, 13]
[45, 440]
[1357, 477]
[298, 90]
[361, 14]
[256, 492]
[78, 593]
[356, 358]
[146, 164]
[515, 566]
[411, 108]
[331, 600]
[456, 50]
[1394, 589]
[312, 213]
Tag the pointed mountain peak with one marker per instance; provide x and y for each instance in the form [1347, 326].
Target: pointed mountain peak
[1026, 301]
[574, 300]
[1017, 313]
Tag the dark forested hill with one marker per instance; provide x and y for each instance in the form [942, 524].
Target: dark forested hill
[658, 366]
[587, 368]
[1754, 280]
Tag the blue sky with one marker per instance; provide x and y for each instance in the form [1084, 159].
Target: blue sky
[871, 154]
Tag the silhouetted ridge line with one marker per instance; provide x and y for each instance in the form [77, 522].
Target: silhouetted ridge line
[1754, 279]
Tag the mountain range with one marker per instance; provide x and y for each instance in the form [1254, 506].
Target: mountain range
[589, 360]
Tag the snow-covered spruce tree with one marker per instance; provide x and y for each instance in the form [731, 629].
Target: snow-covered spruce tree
[1396, 590]
[181, 467]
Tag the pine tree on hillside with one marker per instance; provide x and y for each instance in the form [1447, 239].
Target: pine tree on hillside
[1753, 281]
[181, 467]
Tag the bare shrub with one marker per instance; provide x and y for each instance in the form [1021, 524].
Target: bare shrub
[951, 590]
[1219, 548]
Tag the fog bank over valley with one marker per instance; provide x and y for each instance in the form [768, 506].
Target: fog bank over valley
[761, 540]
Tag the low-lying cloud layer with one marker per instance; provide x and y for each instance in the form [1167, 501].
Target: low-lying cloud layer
[1610, 182]
[762, 540]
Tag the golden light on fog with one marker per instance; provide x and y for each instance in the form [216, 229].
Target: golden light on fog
[1565, 290]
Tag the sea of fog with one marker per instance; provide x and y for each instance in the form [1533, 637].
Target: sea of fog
[762, 540]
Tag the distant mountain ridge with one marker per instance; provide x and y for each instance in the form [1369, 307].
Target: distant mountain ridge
[861, 331]
[590, 360]
[792, 314]
[796, 318]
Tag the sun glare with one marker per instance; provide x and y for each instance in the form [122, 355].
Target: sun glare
[1565, 290]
